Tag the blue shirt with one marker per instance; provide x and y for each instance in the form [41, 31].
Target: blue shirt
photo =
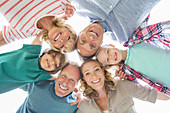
[122, 16]
[42, 99]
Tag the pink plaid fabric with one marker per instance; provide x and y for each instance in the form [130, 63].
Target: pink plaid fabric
[151, 34]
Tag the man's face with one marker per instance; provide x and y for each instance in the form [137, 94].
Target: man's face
[90, 39]
[66, 81]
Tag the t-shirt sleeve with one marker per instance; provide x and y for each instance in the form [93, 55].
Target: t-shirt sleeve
[139, 91]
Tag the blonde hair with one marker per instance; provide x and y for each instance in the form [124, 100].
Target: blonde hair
[59, 23]
[90, 92]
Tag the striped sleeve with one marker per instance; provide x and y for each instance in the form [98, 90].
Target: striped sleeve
[21, 14]
[11, 35]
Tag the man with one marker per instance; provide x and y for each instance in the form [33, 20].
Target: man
[120, 17]
[52, 96]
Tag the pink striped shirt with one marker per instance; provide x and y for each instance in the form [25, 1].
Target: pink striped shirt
[22, 16]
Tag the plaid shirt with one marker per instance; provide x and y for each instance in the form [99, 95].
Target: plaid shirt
[151, 34]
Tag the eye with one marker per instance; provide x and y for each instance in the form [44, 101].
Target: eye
[63, 76]
[53, 56]
[72, 80]
[107, 59]
[87, 73]
[107, 51]
[69, 38]
[62, 46]
[97, 69]
[92, 46]
[83, 41]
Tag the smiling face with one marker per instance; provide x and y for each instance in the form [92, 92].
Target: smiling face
[93, 74]
[109, 56]
[49, 62]
[90, 39]
[67, 80]
[61, 37]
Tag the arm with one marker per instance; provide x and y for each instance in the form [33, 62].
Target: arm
[143, 33]
[37, 41]
[2, 41]
[162, 96]
[69, 12]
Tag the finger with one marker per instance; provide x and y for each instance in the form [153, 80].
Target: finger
[116, 73]
[78, 104]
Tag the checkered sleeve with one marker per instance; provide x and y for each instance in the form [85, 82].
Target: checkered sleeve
[132, 75]
[151, 33]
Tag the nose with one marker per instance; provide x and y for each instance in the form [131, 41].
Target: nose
[53, 62]
[94, 75]
[65, 82]
[61, 40]
[91, 38]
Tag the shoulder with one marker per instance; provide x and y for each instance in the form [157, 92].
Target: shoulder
[85, 105]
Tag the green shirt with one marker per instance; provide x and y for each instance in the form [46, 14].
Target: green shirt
[20, 67]
[151, 61]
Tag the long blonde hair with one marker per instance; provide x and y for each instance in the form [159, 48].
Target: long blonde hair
[90, 92]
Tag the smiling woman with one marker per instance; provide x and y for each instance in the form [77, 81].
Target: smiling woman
[11, 101]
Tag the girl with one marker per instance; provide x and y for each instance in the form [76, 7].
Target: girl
[27, 17]
[141, 59]
[23, 66]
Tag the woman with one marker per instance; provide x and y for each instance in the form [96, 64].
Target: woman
[26, 18]
[104, 95]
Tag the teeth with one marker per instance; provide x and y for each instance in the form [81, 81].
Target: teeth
[63, 87]
[57, 36]
[48, 63]
[96, 81]
[93, 33]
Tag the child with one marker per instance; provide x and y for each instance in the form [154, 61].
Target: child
[27, 17]
[141, 59]
[23, 66]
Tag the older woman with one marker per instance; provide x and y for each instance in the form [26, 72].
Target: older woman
[105, 95]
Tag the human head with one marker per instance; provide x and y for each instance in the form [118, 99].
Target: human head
[61, 37]
[109, 55]
[94, 76]
[52, 61]
[67, 80]
[90, 39]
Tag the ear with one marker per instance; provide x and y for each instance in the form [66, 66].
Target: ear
[101, 42]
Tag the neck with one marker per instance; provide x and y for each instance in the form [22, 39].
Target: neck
[124, 53]
[101, 93]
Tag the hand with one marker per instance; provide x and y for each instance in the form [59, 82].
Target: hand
[37, 41]
[78, 100]
[120, 74]
[69, 11]
[2, 41]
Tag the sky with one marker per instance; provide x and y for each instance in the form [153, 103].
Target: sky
[11, 101]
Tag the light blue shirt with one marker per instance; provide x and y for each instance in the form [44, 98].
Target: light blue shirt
[151, 61]
[122, 16]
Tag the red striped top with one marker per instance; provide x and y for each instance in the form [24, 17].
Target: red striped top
[22, 15]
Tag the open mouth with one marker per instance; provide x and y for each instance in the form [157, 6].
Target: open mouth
[115, 56]
[96, 81]
[63, 88]
[48, 64]
[93, 32]
[57, 37]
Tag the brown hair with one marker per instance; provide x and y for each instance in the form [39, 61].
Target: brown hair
[59, 23]
[90, 92]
